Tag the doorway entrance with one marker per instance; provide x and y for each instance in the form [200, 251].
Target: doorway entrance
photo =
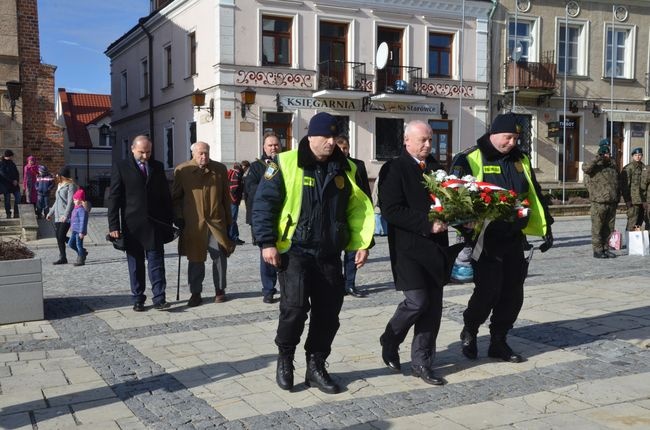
[570, 153]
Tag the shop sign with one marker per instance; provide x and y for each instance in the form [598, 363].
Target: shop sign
[294, 103]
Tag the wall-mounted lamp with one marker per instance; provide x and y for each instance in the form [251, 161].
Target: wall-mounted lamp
[13, 88]
[573, 106]
[278, 104]
[595, 110]
[247, 99]
[198, 100]
[443, 111]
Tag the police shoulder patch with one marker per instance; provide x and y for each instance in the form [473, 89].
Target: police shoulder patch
[272, 169]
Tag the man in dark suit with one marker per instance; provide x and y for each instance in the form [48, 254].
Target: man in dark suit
[140, 209]
[418, 253]
[349, 266]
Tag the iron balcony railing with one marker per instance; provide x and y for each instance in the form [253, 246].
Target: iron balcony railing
[340, 75]
[530, 75]
[399, 80]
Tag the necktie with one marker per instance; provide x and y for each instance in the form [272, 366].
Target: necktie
[422, 165]
[143, 169]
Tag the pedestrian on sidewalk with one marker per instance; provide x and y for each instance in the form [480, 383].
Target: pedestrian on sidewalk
[201, 203]
[349, 265]
[236, 189]
[79, 226]
[9, 182]
[44, 183]
[30, 173]
[601, 179]
[140, 209]
[418, 254]
[501, 268]
[61, 211]
[270, 148]
[632, 189]
[308, 209]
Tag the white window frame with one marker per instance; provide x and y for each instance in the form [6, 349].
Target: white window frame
[630, 49]
[582, 65]
[533, 37]
[169, 164]
[167, 56]
[124, 90]
[188, 54]
[144, 78]
[455, 51]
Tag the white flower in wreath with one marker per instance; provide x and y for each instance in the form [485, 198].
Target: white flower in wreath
[440, 175]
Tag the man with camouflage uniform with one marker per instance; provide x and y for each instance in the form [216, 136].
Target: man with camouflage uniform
[630, 183]
[601, 178]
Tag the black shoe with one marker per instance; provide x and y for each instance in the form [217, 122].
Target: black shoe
[390, 354]
[268, 299]
[600, 254]
[427, 375]
[609, 254]
[80, 261]
[500, 349]
[356, 293]
[138, 307]
[468, 342]
[61, 261]
[162, 306]
[239, 242]
[317, 376]
[195, 300]
[284, 372]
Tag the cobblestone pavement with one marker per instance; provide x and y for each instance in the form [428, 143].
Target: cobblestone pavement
[94, 363]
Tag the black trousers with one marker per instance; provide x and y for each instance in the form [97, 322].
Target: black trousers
[309, 284]
[61, 230]
[499, 288]
[422, 310]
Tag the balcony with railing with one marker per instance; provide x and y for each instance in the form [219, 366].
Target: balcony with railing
[398, 84]
[530, 77]
[339, 79]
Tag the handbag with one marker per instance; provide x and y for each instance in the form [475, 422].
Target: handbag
[638, 243]
[614, 240]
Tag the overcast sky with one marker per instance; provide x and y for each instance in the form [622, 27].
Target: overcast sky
[75, 33]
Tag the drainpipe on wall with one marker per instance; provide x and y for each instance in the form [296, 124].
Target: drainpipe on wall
[141, 22]
[489, 59]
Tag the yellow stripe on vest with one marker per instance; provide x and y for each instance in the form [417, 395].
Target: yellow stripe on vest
[492, 170]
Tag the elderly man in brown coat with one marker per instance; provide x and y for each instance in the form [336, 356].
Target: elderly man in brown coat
[202, 211]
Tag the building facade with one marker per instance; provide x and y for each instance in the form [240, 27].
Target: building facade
[553, 67]
[28, 128]
[182, 74]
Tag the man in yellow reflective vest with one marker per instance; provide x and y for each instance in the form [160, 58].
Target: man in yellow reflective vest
[501, 268]
[308, 208]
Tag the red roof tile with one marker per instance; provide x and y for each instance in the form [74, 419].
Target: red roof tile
[80, 110]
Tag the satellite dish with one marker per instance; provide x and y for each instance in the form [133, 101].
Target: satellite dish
[382, 55]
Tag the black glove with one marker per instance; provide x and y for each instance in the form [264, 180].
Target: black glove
[548, 240]
[180, 223]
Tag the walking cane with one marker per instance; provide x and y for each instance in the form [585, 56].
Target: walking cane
[178, 278]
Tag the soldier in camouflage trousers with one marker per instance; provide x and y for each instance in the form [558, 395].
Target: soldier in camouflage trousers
[633, 194]
[601, 178]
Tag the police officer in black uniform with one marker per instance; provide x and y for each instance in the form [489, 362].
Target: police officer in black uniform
[501, 268]
[307, 210]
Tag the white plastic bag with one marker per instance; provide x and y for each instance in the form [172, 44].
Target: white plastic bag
[638, 243]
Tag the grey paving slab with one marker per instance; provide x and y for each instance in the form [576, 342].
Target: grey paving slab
[584, 326]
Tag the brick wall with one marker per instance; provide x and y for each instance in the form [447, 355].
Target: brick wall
[41, 137]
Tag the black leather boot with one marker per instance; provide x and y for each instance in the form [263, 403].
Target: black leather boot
[390, 349]
[468, 342]
[500, 349]
[317, 376]
[284, 372]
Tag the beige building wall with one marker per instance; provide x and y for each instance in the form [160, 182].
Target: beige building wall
[10, 130]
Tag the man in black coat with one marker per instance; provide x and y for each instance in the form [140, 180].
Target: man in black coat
[418, 253]
[9, 182]
[140, 209]
[270, 148]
